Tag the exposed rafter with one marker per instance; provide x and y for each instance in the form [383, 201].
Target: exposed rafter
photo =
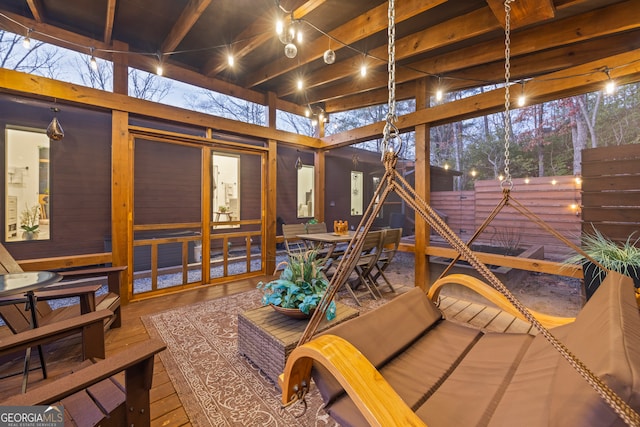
[108, 23]
[252, 37]
[35, 6]
[187, 19]
[523, 12]
[369, 23]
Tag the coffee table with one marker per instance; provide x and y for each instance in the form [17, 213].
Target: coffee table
[267, 337]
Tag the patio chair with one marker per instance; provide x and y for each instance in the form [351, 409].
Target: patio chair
[83, 286]
[292, 242]
[388, 250]
[364, 265]
[93, 396]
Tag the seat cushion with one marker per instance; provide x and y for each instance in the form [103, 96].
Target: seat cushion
[398, 324]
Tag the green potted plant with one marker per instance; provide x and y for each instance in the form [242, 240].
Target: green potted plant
[30, 221]
[623, 258]
[299, 288]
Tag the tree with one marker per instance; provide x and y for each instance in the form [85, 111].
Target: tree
[40, 59]
[226, 106]
[100, 78]
[148, 86]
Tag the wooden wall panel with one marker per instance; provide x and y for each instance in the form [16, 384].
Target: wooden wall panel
[466, 211]
[80, 177]
[611, 190]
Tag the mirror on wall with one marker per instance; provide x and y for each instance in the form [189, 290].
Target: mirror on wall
[356, 192]
[27, 203]
[305, 206]
[226, 190]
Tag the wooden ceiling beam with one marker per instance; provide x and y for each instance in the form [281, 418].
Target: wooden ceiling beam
[254, 36]
[523, 12]
[458, 29]
[573, 81]
[189, 16]
[371, 22]
[35, 6]
[600, 23]
[109, 18]
[522, 67]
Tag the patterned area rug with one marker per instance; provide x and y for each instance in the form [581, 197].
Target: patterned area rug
[218, 386]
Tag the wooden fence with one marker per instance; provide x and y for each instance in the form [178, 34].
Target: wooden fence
[611, 191]
[555, 200]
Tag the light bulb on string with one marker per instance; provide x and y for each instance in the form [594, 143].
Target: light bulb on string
[363, 70]
[290, 50]
[439, 92]
[92, 62]
[300, 84]
[610, 86]
[279, 27]
[307, 112]
[26, 42]
[522, 100]
[159, 69]
[230, 60]
[329, 56]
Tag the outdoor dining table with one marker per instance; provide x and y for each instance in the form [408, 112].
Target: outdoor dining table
[328, 241]
[25, 283]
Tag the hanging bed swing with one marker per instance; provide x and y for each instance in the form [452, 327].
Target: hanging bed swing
[404, 364]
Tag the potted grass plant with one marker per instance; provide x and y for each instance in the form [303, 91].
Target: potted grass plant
[301, 285]
[623, 258]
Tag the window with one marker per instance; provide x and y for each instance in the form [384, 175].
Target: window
[27, 185]
[305, 192]
[226, 191]
[356, 192]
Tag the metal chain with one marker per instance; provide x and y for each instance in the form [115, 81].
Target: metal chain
[391, 132]
[507, 183]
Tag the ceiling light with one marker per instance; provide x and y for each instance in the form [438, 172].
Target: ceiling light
[363, 70]
[522, 100]
[439, 94]
[329, 56]
[300, 84]
[290, 50]
[230, 60]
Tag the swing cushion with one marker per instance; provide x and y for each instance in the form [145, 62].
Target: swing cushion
[450, 374]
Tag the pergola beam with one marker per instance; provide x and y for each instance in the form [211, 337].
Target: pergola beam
[189, 16]
[357, 29]
[108, 23]
[611, 20]
[625, 68]
[35, 6]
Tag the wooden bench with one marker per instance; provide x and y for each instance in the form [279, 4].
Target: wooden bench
[91, 396]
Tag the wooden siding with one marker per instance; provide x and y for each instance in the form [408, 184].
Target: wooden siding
[611, 190]
[465, 211]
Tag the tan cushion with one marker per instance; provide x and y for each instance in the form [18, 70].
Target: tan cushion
[397, 324]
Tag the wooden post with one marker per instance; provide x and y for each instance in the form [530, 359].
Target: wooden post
[422, 187]
[120, 68]
[269, 198]
[122, 200]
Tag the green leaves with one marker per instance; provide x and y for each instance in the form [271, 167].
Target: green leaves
[301, 285]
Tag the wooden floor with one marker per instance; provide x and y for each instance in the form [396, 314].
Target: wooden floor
[166, 408]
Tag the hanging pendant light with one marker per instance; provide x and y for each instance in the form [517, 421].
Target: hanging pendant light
[299, 161]
[54, 130]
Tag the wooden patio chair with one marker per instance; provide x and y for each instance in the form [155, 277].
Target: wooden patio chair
[18, 320]
[388, 250]
[292, 242]
[92, 396]
[364, 266]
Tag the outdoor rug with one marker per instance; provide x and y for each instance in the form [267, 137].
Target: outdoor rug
[218, 386]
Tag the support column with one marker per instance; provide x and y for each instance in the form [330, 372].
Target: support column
[270, 195]
[122, 200]
[422, 187]
[120, 68]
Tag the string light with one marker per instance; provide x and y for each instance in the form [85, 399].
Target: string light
[610, 86]
[279, 26]
[527, 180]
[230, 60]
[329, 56]
[300, 84]
[92, 62]
[26, 42]
[290, 50]
[439, 93]
[474, 173]
[522, 100]
[159, 69]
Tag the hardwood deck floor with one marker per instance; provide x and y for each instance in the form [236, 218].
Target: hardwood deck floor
[166, 407]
